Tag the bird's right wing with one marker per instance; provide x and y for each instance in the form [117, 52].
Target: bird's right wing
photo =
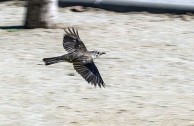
[72, 41]
[89, 72]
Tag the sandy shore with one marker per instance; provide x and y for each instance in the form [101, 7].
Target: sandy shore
[148, 70]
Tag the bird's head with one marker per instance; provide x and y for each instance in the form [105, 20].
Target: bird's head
[96, 54]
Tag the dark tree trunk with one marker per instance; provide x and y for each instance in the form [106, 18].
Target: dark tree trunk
[41, 14]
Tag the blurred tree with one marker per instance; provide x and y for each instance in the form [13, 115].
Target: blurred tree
[41, 14]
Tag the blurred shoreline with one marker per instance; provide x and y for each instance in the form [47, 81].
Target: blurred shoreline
[135, 6]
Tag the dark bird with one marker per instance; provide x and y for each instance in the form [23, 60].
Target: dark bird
[81, 58]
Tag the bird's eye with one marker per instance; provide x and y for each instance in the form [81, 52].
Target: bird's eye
[97, 52]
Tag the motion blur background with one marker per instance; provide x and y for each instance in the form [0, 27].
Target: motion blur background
[148, 66]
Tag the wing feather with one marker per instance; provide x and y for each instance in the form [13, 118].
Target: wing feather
[90, 73]
[72, 41]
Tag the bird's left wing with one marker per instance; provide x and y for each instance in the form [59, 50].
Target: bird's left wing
[72, 41]
[89, 72]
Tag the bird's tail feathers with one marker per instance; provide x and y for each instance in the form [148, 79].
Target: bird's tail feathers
[52, 60]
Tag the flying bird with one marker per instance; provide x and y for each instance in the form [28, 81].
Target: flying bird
[80, 57]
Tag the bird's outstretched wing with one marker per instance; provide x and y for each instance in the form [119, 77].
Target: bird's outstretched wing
[72, 41]
[90, 73]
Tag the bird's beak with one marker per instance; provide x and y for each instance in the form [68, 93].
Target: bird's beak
[103, 53]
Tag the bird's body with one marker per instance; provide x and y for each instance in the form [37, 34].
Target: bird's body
[81, 58]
